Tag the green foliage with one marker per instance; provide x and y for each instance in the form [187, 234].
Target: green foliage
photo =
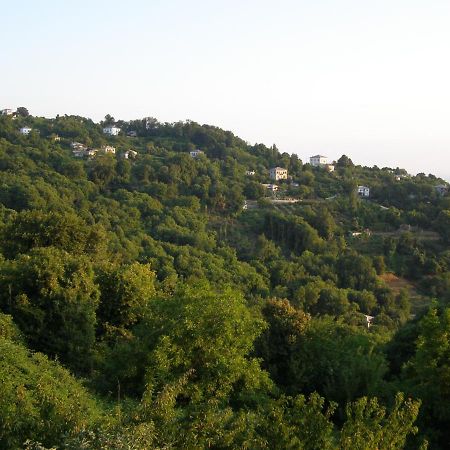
[368, 426]
[207, 324]
[39, 399]
[52, 297]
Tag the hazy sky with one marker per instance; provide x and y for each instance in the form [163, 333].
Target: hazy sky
[370, 79]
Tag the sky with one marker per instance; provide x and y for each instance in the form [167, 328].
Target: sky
[369, 79]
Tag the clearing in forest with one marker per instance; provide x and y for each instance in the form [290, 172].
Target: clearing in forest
[397, 283]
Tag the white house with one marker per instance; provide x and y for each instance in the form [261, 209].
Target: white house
[111, 130]
[130, 154]
[271, 187]
[318, 161]
[91, 152]
[78, 153]
[108, 149]
[78, 146]
[278, 173]
[196, 153]
[6, 112]
[329, 167]
[250, 172]
[25, 130]
[363, 191]
[369, 320]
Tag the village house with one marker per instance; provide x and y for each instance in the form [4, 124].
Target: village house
[196, 153]
[441, 189]
[78, 153]
[318, 161]
[278, 173]
[329, 167]
[363, 191]
[271, 187]
[91, 152]
[25, 130]
[111, 130]
[6, 112]
[130, 154]
[78, 146]
[250, 172]
[108, 149]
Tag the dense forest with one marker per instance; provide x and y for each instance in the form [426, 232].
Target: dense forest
[154, 298]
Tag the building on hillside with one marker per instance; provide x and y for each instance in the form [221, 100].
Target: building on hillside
[196, 153]
[369, 320]
[6, 112]
[25, 130]
[363, 191]
[111, 130]
[130, 154]
[132, 133]
[278, 173]
[271, 187]
[318, 161]
[78, 153]
[329, 167]
[91, 152]
[78, 146]
[108, 149]
[250, 173]
[441, 189]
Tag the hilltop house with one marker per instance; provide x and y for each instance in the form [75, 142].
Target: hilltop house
[250, 172]
[6, 112]
[111, 130]
[363, 191]
[329, 167]
[130, 154]
[318, 161]
[196, 153]
[278, 173]
[25, 130]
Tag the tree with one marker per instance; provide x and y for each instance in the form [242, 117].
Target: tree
[126, 291]
[39, 399]
[428, 373]
[368, 426]
[22, 111]
[344, 161]
[53, 298]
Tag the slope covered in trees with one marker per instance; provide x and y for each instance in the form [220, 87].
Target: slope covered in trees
[150, 298]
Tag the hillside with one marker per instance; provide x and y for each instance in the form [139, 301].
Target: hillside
[156, 291]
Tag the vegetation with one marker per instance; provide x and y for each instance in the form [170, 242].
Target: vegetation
[159, 300]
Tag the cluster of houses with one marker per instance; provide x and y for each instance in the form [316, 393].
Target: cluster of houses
[81, 151]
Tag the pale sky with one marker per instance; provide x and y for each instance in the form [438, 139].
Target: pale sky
[370, 79]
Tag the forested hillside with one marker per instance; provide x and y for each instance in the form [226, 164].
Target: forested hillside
[155, 298]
